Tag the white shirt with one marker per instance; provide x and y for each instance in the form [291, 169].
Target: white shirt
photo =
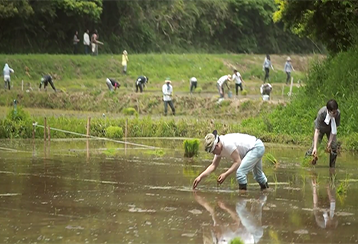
[167, 92]
[193, 79]
[86, 39]
[241, 142]
[237, 78]
[222, 80]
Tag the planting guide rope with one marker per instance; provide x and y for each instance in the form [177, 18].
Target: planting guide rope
[100, 138]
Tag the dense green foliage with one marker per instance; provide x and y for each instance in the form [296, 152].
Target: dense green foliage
[335, 77]
[147, 26]
[330, 22]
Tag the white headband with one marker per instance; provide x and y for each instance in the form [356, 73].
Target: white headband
[215, 143]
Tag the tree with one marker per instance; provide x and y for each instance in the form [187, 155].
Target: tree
[330, 22]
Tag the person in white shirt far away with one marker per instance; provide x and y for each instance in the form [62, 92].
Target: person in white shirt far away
[7, 71]
[238, 81]
[167, 90]
[86, 42]
[193, 84]
[220, 84]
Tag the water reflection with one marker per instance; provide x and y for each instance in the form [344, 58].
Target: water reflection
[244, 223]
[324, 209]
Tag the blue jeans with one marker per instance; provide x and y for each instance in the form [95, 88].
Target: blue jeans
[252, 162]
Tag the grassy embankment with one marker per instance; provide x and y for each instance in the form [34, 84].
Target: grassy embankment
[81, 80]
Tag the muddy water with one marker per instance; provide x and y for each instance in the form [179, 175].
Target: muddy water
[103, 192]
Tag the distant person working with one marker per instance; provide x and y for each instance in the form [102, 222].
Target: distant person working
[45, 80]
[7, 71]
[140, 83]
[112, 84]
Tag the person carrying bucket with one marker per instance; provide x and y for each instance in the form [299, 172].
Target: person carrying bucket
[265, 91]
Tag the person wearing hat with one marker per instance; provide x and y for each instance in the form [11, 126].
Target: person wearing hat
[45, 80]
[238, 81]
[288, 69]
[140, 83]
[220, 84]
[112, 84]
[244, 150]
[167, 90]
[124, 61]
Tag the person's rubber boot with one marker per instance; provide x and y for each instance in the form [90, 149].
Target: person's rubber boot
[243, 187]
[332, 159]
[264, 186]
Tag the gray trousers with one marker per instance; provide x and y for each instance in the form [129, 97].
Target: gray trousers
[7, 84]
[171, 105]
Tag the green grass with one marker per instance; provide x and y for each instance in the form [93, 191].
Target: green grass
[86, 73]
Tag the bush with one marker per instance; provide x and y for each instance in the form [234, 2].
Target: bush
[130, 111]
[191, 147]
[17, 124]
[114, 132]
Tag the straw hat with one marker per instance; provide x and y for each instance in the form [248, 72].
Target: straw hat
[288, 59]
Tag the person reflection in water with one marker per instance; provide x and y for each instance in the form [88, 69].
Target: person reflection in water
[245, 224]
[325, 218]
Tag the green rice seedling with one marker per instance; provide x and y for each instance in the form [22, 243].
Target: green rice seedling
[244, 92]
[191, 147]
[110, 152]
[271, 159]
[342, 189]
[114, 132]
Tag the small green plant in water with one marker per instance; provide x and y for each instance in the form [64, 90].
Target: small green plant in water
[343, 186]
[271, 159]
[158, 152]
[244, 92]
[114, 132]
[110, 152]
[130, 111]
[237, 240]
[191, 147]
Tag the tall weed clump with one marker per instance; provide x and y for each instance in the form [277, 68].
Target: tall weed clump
[17, 124]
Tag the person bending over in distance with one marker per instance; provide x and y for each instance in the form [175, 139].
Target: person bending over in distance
[45, 80]
[193, 84]
[140, 83]
[112, 84]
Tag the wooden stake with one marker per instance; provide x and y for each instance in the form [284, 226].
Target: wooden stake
[48, 133]
[45, 125]
[88, 126]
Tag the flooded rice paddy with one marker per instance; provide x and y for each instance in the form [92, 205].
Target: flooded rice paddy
[104, 192]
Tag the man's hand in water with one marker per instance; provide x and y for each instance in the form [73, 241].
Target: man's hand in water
[221, 178]
[196, 182]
